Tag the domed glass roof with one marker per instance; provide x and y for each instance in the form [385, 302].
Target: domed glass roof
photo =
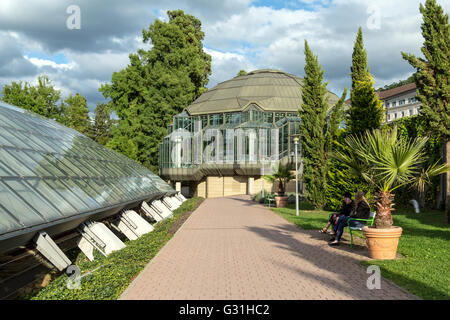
[271, 90]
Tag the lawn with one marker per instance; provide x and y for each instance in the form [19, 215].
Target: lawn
[111, 275]
[424, 270]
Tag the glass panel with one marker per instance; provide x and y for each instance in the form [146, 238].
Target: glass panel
[59, 161]
[34, 200]
[14, 165]
[45, 165]
[4, 171]
[4, 121]
[35, 167]
[24, 136]
[7, 139]
[53, 196]
[22, 212]
[43, 142]
[8, 222]
[106, 192]
[86, 198]
[96, 196]
[68, 195]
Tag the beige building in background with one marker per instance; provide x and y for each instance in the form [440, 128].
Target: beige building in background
[400, 102]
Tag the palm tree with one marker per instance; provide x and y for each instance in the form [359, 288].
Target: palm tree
[283, 175]
[388, 161]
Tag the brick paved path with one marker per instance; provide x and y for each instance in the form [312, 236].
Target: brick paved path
[232, 248]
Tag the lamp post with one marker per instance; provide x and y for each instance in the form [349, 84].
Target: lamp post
[296, 138]
[262, 185]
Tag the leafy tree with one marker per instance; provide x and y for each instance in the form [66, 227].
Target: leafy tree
[76, 113]
[156, 85]
[241, 73]
[313, 130]
[414, 126]
[41, 98]
[101, 127]
[433, 88]
[366, 111]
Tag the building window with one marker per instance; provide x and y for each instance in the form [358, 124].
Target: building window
[401, 102]
[215, 119]
[268, 117]
[387, 104]
[279, 116]
[204, 121]
[394, 103]
[236, 118]
[412, 100]
[395, 115]
[403, 114]
[411, 112]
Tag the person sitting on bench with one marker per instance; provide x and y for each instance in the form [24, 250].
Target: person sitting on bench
[361, 211]
[347, 208]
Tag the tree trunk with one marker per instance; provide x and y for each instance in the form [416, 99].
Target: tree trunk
[280, 188]
[384, 204]
[440, 197]
[446, 186]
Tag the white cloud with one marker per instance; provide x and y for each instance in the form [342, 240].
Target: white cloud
[226, 65]
[238, 35]
[49, 63]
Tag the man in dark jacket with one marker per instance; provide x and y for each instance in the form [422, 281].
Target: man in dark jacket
[347, 207]
[361, 211]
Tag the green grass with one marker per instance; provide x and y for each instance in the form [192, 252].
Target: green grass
[117, 270]
[424, 270]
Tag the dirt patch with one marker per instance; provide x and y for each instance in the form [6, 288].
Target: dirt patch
[182, 219]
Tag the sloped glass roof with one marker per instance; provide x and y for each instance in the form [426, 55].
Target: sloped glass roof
[50, 174]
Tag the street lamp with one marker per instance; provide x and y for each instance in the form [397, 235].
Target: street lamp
[296, 138]
[262, 185]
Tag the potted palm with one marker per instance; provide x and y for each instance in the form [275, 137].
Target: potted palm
[283, 176]
[387, 161]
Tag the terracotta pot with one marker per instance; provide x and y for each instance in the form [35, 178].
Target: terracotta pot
[281, 201]
[382, 243]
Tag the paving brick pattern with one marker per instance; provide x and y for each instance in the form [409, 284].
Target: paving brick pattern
[232, 248]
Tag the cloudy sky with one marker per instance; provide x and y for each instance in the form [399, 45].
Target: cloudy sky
[239, 34]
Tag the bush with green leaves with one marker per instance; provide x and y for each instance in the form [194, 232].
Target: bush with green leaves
[415, 126]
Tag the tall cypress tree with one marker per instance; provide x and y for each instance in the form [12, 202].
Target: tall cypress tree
[335, 118]
[313, 130]
[157, 84]
[359, 69]
[432, 81]
[366, 111]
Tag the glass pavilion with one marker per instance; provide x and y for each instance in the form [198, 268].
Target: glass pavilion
[262, 107]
